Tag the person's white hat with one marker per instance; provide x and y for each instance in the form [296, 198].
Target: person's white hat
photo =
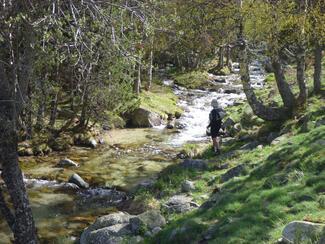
[214, 103]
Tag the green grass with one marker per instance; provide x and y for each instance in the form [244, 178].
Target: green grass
[251, 209]
[160, 100]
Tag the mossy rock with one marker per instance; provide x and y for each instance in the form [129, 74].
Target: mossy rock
[42, 149]
[85, 140]
[61, 143]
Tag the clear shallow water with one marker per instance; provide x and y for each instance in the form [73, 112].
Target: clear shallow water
[128, 157]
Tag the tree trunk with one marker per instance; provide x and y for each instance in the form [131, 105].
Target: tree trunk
[259, 109]
[221, 55]
[301, 66]
[21, 219]
[137, 82]
[54, 108]
[287, 96]
[317, 68]
[150, 69]
[228, 51]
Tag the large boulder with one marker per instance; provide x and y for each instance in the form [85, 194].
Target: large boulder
[107, 229]
[76, 179]
[303, 231]
[179, 204]
[144, 118]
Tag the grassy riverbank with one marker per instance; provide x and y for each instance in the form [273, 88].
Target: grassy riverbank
[280, 183]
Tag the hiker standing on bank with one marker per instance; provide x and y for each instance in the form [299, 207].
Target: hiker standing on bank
[215, 118]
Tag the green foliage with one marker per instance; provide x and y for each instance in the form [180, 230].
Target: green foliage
[192, 80]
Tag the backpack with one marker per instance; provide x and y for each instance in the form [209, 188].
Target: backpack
[215, 118]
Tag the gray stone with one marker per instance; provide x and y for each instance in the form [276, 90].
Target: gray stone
[250, 145]
[280, 139]
[112, 219]
[272, 136]
[233, 172]
[298, 231]
[149, 220]
[228, 123]
[144, 118]
[112, 234]
[67, 163]
[188, 186]
[156, 230]
[179, 125]
[107, 229]
[76, 179]
[194, 164]
[180, 204]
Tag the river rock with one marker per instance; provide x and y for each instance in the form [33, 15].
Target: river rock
[188, 186]
[194, 164]
[180, 204]
[107, 229]
[76, 179]
[233, 172]
[67, 163]
[179, 125]
[302, 231]
[144, 118]
[98, 197]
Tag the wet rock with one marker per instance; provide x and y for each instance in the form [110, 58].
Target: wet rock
[302, 231]
[220, 80]
[194, 164]
[170, 125]
[67, 163]
[36, 183]
[179, 204]
[233, 172]
[188, 186]
[178, 115]
[93, 198]
[144, 118]
[76, 179]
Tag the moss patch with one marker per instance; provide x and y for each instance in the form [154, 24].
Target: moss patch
[160, 100]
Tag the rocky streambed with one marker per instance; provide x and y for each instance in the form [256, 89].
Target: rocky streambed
[129, 157]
